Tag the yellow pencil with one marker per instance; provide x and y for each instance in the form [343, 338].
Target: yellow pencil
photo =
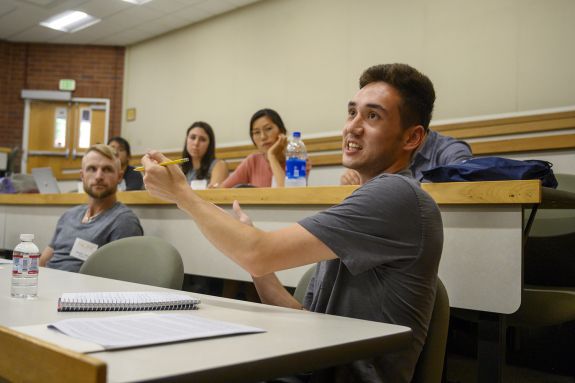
[171, 162]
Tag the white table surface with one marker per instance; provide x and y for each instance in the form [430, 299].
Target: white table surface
[295, 340]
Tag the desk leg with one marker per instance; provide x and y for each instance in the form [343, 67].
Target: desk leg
[490, 347]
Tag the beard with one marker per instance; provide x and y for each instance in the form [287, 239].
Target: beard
[100, 194]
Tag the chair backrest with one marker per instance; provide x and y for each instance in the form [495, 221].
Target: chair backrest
[50, 363]
[429, 368]
[301, 287]
[146, 260]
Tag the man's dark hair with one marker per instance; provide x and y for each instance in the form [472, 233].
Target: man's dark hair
[273, 115]
[415, 89]
[207, 158]
[122, 142]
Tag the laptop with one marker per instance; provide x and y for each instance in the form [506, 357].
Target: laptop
[45, 181]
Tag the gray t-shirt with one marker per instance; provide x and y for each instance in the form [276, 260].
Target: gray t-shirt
[438, 150]
[115, 223]
[388, 237]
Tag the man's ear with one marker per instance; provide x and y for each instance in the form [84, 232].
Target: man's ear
[414, 137]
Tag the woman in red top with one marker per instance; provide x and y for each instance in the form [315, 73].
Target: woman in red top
[267, 167]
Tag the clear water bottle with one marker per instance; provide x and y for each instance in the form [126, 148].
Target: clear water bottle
[25, 260]
[296, 157]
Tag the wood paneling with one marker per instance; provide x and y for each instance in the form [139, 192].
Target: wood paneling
[326, 151]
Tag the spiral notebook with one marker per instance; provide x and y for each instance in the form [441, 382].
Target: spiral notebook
[126, 301]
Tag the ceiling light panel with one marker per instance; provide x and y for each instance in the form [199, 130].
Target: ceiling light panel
[137, 2]
[70, 21]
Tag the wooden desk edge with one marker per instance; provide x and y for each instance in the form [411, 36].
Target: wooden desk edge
[489, 192]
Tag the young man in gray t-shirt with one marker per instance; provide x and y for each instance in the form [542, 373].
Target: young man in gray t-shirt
[378, 251]
[83, 229]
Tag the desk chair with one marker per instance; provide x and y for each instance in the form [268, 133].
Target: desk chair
[301, 288]
[28, 359]
[146, 260]
[429, 368]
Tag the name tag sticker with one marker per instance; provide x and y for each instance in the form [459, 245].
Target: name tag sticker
[199, 184]
[83, 249]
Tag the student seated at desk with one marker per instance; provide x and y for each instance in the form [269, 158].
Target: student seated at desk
[378, 250]
[82, 229]
[131, 179]
[436, 150]
[266, 168]
[200, 149]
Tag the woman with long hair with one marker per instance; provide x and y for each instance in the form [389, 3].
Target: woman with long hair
[200, 149]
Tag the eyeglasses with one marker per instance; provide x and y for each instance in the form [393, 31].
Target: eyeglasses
[264, 132]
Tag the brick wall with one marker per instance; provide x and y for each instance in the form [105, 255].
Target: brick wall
[98, 71]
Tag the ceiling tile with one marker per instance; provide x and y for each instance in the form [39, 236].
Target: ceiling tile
[104, 8]
[19, 21]
[129, 23]
[215, 6]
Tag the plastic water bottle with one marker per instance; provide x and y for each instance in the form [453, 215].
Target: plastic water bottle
[296, 157]
[25, 260]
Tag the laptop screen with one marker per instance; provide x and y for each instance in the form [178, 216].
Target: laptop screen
[45, 181]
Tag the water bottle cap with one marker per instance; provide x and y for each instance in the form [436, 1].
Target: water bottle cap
[296, 134]
[27, 237]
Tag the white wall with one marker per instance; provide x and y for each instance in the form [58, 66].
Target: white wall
[303, 58]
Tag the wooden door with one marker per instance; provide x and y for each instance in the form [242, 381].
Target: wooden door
[60, 132]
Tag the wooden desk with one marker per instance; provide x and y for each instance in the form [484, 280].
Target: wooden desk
[483, 224]
[295, 340]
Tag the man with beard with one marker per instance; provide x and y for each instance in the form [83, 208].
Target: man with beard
[82, 229]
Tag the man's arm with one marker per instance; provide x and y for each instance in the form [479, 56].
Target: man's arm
[46, 255]
[270, 289]
[272, 292]
[456, 152]
[256, 251]
[125, 225]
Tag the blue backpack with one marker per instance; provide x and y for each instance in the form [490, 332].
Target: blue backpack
[493, 169]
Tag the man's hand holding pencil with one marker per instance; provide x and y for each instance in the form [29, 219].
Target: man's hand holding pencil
[163, 178]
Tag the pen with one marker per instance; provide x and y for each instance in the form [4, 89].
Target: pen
[171, 162]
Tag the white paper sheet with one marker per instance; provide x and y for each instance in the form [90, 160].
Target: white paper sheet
[146, 329]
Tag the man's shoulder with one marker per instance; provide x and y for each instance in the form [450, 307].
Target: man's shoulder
[125, 221]
[394, 180]
[388, 187]
[441, 141]
[74, 211]
[121, 209]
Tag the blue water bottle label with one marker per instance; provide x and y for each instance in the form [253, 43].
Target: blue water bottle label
[295, 168]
